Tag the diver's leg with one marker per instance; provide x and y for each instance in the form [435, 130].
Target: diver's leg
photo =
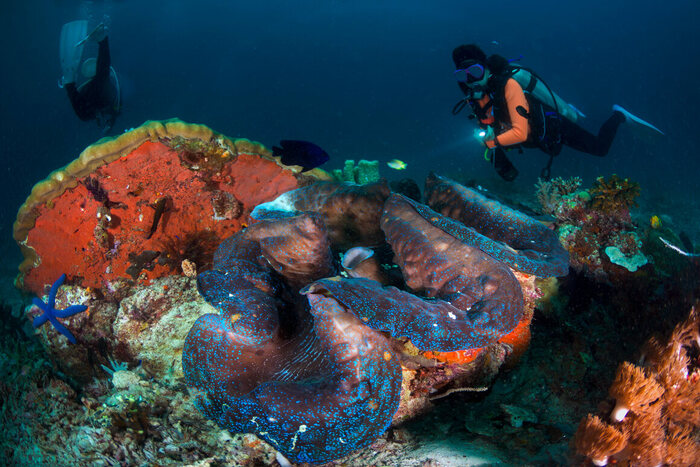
[504, 167]
[77, 101]
[577, 138]
[103, 60]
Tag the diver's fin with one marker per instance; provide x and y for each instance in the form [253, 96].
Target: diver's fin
[96, 35]
[71, 48]
[578, 111]
[633, 118]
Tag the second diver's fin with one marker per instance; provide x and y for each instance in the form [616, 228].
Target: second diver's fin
[633, 118]
[71, 48]
[97, 34]
[577, 110]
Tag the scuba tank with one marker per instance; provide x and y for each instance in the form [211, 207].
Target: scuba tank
[535, 86]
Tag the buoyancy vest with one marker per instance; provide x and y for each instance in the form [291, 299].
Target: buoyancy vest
[539, 90]
[543, 116]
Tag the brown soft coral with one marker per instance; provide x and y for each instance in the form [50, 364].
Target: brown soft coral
[597, 440]
[664, 403]
[633, 389]
[681, 448]
[614, 194]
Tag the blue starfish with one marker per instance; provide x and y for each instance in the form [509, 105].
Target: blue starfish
[51, 313]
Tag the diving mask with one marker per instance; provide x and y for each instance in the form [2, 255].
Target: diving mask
[470, 74]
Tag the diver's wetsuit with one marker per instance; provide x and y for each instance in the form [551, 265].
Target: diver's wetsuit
[577, 138]
[515, 130]
[96, 96]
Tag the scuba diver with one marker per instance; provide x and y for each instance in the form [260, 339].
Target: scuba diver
[92, 85]
[516, 109]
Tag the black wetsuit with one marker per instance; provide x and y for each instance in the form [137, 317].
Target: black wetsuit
[95, 98]
[560, 131]
[577, 138]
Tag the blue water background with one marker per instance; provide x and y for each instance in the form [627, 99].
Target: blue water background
[363, 79]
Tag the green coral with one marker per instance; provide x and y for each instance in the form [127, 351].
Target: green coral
[363, 173]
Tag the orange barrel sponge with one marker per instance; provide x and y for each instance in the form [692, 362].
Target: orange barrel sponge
[134, 207]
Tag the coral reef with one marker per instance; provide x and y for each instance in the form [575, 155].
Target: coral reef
[130, 418]
[117, 396]
[551, 193]
[614, 194]
[130, 330]
[595, 225]
[656, 413]
[104, 216]
[349, 371]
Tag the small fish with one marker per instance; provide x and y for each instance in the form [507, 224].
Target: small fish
[495, 43]
[655, 222]
[676, 249]
[396, 164]
[160, 208]
[303, 153]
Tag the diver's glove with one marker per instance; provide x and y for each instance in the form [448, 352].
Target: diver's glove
[483, 135]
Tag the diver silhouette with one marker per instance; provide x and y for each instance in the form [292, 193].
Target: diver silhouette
[97, 97]
[515, 109]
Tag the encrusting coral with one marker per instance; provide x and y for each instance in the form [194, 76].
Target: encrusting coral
[657, 407]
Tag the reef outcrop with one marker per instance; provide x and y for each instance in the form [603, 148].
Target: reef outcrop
[273, 339]
[595, 225]
[135, 206]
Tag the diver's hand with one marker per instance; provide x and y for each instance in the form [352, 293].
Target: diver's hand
[483, 135]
